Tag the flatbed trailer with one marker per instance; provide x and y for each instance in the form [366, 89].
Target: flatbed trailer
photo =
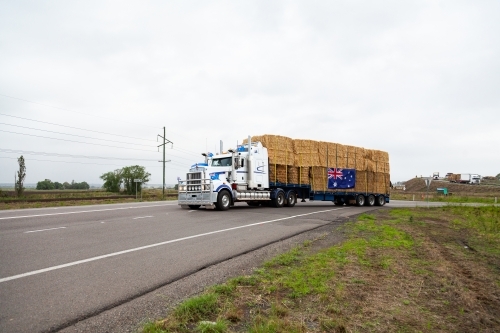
[338, 197]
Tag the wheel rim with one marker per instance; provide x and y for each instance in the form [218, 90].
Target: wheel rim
[281, 198]
[225, 200]
[361, 200]
[291, 199]
[371, 200]
[381, 200]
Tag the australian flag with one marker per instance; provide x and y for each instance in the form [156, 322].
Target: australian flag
[341, 178]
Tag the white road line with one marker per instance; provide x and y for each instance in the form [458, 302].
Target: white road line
[83, 211]
[74, 263]
[170, 202]
[27, 232]
[141, 217]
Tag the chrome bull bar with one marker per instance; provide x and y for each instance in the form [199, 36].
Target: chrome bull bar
[195, 192]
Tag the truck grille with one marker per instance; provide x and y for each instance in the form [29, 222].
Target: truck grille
[194, 181]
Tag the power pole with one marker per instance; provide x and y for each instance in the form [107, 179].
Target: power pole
[165, 141]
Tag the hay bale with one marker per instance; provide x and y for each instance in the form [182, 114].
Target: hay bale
[319, 179]
[279, 148]
[350, 157]
[332, 155]
[278, 173]
[306, 153]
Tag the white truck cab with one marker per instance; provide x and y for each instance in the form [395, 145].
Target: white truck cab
[240, 174]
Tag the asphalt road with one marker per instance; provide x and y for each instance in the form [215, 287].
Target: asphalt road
[62, 265]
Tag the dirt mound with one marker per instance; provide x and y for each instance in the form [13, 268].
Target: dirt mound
[418, 185]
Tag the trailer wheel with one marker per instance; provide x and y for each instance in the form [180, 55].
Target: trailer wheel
[279, 201]
[291, 199]
[360, 200]
[380, 200]
[370, 201]
[223, 200]
[194, 206]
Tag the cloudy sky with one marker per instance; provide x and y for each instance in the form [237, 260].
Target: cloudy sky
[86, 86]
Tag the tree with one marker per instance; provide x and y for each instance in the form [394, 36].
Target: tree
[134, 172]
[112, 180]
[84, 186]
[498, 176]
[21, 175]
[58, 186]
[46, 184]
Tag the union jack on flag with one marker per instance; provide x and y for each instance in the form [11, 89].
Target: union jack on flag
[335, 173]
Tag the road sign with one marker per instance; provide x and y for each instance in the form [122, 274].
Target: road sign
[428, 182]
[138, 180]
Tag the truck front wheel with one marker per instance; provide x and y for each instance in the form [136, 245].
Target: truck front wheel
[223, 200]
[279, 201]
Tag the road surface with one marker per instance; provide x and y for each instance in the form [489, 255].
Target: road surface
[62, 265]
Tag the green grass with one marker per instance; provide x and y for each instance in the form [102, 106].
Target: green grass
[197, 308]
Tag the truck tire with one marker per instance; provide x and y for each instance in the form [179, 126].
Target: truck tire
[360, 200]
[194, 206]
[370, 201]
[380, 200]
[279, 201]
[291, 199]
[223, 200]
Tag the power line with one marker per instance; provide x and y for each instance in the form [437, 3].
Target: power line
[87, 143]
[5, 150]
[86, 114]
[78, 128]
[184, 151]
[34, 159]
[80, 136]
[24, 152]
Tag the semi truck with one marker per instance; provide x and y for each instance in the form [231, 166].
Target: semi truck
[243, 175]
[465, 178]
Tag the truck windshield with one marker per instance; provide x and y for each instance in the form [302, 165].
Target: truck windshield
[226, 161]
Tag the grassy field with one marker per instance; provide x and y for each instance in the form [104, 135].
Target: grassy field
[455, 198]
[398, 270]
[86, 196]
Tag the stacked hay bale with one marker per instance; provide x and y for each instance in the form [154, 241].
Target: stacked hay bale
[307, 162]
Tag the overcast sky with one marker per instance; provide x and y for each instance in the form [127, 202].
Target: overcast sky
[419, 79]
